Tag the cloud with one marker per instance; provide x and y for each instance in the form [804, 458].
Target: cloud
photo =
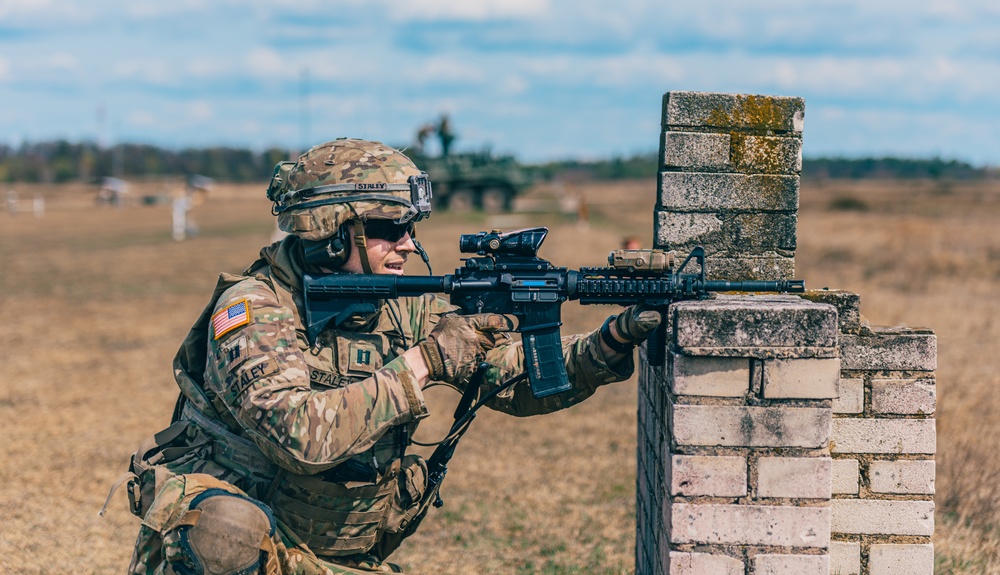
[890, 132]
[464, 10]
[142, 119]
[200, 111]
[207, 67]
[152, 10]
[154, 72]
[267, 63]
[10, 8]
[42, 14]
[64, 61]
[519, 74]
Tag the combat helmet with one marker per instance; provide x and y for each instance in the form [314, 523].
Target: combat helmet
[346, 180]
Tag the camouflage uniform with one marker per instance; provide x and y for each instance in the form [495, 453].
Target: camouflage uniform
[310, 409]
[306, 443]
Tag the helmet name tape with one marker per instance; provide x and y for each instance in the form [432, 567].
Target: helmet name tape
[419, 204]
[329, 189]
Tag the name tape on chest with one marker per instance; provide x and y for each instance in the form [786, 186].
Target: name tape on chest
[230, 318]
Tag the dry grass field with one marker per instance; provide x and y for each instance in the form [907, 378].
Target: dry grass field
[94, 301]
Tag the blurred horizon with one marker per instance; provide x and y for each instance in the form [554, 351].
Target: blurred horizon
[57, 162]
[545, 80]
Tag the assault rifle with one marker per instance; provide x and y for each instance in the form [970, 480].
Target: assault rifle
[509, 278]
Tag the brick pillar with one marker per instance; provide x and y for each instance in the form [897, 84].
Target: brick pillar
[784, 435]
[735, 468]
[729, 181]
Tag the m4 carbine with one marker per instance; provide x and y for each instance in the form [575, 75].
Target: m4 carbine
[509, 278]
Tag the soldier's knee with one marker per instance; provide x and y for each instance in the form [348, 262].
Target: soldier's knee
[221, 534]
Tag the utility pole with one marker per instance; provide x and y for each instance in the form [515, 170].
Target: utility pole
[304, 109]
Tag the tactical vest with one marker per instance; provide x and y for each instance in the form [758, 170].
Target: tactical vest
[368, 503]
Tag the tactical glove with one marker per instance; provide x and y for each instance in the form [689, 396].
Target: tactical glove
[636, 323]
[459, 342]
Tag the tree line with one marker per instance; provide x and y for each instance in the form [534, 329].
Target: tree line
[645, 165]
[62, 161]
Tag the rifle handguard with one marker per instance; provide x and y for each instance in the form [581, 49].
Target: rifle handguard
[433, 359]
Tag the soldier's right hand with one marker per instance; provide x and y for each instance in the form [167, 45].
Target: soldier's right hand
[459, 342]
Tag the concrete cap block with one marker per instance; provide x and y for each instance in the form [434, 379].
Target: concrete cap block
[733, 111]
[741, 426]
[682, 563]
[895, 349]
[880, 517]
[914, 477]
[848, 306]
[864, 435]
[845, 558]
[709, 376]
[904, 396]
[695, 150]
[782, 526]
[751, 325]
[807, 378]
[791, 565]
[714, 192]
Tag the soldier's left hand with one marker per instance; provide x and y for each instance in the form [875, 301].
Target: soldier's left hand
[636, 323]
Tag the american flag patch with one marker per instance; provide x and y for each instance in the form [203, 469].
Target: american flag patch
[234, 316]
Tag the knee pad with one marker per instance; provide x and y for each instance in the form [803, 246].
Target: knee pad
[222, 534]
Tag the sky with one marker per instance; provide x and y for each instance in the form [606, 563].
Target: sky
[541, 79]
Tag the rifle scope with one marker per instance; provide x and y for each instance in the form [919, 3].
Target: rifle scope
[516, 243]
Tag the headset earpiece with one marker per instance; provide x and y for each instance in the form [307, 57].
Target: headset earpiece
[331, 252]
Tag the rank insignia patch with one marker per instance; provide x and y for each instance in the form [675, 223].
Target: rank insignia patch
[236, 351]
[234, 316]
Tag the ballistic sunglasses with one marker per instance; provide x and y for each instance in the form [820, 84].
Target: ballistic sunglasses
[388, 230]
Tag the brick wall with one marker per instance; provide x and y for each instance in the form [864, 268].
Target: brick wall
[883, 445]
[783, 435]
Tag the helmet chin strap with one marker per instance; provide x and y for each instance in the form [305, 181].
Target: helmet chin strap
[362, 243]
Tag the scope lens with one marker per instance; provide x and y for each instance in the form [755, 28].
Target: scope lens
[470, 243]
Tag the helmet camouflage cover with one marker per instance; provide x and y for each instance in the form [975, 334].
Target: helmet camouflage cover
[344, 180]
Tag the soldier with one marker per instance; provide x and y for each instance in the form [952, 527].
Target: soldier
[288, 456]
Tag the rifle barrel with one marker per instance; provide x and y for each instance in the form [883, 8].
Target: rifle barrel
[786, 286]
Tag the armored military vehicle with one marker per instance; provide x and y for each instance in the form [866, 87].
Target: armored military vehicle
[477, 180]
[469, 180]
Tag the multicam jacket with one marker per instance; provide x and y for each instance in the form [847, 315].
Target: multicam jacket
[319, 431]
